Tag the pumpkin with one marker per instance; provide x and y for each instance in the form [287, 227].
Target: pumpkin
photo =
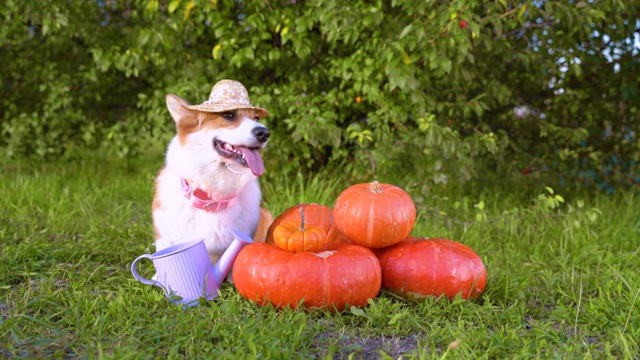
[294, 237]
[417, 268]
[341, 275]
[374, 215]
[315, 214]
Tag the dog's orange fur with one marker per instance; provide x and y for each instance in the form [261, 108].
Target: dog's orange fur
[266, 219]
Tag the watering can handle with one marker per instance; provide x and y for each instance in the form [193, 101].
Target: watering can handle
[134, 270]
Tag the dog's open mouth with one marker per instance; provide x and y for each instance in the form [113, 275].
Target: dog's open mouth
[245, 156]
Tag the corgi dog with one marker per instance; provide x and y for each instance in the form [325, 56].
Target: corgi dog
[209, 184]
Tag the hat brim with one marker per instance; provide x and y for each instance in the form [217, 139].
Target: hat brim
[217, 108]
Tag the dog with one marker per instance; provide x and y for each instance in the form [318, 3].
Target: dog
[209, 183]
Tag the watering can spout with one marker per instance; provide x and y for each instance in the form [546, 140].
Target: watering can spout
[222, 267]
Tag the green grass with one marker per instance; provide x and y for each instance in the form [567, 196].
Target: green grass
[563, 282]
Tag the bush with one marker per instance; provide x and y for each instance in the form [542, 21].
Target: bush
[424, 93]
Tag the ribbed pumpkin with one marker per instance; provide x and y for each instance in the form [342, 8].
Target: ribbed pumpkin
[374, 215]
[314, 214]
[342, 274]
[294, 236]
[416, 268]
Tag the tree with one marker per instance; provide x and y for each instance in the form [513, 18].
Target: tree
[421, 92]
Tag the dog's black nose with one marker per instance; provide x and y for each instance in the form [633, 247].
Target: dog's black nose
[261, 133]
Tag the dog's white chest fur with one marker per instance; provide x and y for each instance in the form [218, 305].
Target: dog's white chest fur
[177, 221]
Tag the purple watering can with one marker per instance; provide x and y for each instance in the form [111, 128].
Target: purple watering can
[185, 272]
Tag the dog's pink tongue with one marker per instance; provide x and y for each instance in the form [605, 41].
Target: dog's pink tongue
[254, 160]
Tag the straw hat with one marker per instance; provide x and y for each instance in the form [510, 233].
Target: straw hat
[228, 95]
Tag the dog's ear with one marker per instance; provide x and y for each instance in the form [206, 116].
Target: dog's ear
[179, 111]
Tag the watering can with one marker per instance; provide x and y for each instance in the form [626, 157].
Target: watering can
[185, 272]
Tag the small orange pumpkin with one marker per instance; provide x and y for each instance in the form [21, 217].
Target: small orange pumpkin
[293, 236]
[315, 214]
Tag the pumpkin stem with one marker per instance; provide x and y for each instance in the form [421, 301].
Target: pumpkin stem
[375, 187]
[301, 217]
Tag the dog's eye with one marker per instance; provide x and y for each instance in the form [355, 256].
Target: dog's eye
[256, 119]
[229, 115]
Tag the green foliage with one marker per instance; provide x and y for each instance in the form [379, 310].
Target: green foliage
[394, 89]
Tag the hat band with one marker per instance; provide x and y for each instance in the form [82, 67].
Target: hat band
[228, 106]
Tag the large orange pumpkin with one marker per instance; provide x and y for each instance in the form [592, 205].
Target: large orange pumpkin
[314, 214]
[296, 236]
[341, 275]
[417, 268]
[374, 215]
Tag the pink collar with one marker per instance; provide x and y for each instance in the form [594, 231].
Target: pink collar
[200, 199]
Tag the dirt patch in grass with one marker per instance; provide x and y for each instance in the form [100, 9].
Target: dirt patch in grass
[4, 311]
[562, 327]
[366, 347]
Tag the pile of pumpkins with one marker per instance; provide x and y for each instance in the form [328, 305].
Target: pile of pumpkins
[318, 257]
